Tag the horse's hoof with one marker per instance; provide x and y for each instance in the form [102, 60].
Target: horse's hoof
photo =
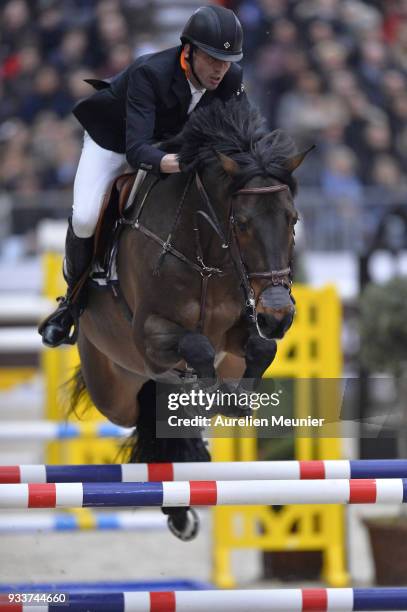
[185, 525]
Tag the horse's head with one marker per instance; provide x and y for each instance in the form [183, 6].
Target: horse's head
[263, 217]
[246, 174]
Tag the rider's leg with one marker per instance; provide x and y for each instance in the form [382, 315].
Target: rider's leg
[96, 170]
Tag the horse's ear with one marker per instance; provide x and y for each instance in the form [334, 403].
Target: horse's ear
[292, 163]
[228, 164]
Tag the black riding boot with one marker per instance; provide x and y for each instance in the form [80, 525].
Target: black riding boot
[61, 326]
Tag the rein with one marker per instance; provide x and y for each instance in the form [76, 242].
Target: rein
[229, 241]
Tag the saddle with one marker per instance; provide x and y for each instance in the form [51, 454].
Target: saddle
[121, 199]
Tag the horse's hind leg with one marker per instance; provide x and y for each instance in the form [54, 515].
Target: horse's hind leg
[128, 400]
[111, 388]
[183, 522]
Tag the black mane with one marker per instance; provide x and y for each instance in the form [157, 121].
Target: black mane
[237, 130]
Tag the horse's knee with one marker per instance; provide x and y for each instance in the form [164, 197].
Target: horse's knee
[196, 349]
[84, 223]
[199, 354]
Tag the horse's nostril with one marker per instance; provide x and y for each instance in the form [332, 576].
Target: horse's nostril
[267, 323]
[275, 324]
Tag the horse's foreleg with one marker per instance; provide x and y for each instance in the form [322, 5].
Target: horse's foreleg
[244, 343]
[167, 343]
[248, 357]
[198, 353]
[259, 355]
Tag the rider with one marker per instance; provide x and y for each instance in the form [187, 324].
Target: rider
[146, 103]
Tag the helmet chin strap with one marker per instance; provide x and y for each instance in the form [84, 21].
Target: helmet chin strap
[190, 61]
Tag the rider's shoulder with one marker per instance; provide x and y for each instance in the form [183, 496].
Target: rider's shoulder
[156, 63]
[232, 82]
[234, 76]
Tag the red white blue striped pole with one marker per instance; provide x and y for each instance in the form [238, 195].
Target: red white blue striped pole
[243, 470]
[203, 493]
[276, 600]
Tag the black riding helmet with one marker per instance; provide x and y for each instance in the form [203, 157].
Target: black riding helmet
[217, 31]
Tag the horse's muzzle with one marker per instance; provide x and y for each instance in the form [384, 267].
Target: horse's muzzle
[275, 312]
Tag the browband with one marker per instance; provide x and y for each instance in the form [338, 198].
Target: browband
[259, 190]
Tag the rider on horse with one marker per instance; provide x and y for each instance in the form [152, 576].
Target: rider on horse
[148, 102]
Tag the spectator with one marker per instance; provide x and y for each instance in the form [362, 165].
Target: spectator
[372, 65]
[387, 177]
[398, 112]
[394, 84]
[51, 27]
[72, 51]
[48, 94]
[400, 46]
[15, 28]
[339, 180]
[376, 141]
[19, 85]
[343, 192]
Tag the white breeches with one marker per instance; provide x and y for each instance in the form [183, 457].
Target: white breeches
[96, 170]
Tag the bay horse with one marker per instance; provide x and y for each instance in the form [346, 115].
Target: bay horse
[204, 269]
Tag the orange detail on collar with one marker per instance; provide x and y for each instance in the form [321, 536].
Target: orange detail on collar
[183, 61]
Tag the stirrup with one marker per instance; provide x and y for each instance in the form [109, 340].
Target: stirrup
[75, 311]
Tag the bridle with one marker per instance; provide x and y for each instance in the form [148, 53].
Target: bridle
[229, 241]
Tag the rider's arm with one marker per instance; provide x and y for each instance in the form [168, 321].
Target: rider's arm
[141, 109]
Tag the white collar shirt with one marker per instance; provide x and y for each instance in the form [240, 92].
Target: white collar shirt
[196, 96]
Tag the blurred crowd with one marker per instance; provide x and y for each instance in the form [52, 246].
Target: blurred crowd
[332, 72]
[47, 49]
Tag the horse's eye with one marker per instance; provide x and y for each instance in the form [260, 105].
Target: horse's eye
[242, 224]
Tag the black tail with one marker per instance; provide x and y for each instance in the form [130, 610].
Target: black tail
[77, 393]
[146, 448]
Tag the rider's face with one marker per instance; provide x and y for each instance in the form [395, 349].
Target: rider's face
[209, 70]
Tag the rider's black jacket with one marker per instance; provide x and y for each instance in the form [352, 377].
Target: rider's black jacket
[146, 103]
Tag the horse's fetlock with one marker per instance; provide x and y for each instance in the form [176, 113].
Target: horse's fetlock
[260, 350]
